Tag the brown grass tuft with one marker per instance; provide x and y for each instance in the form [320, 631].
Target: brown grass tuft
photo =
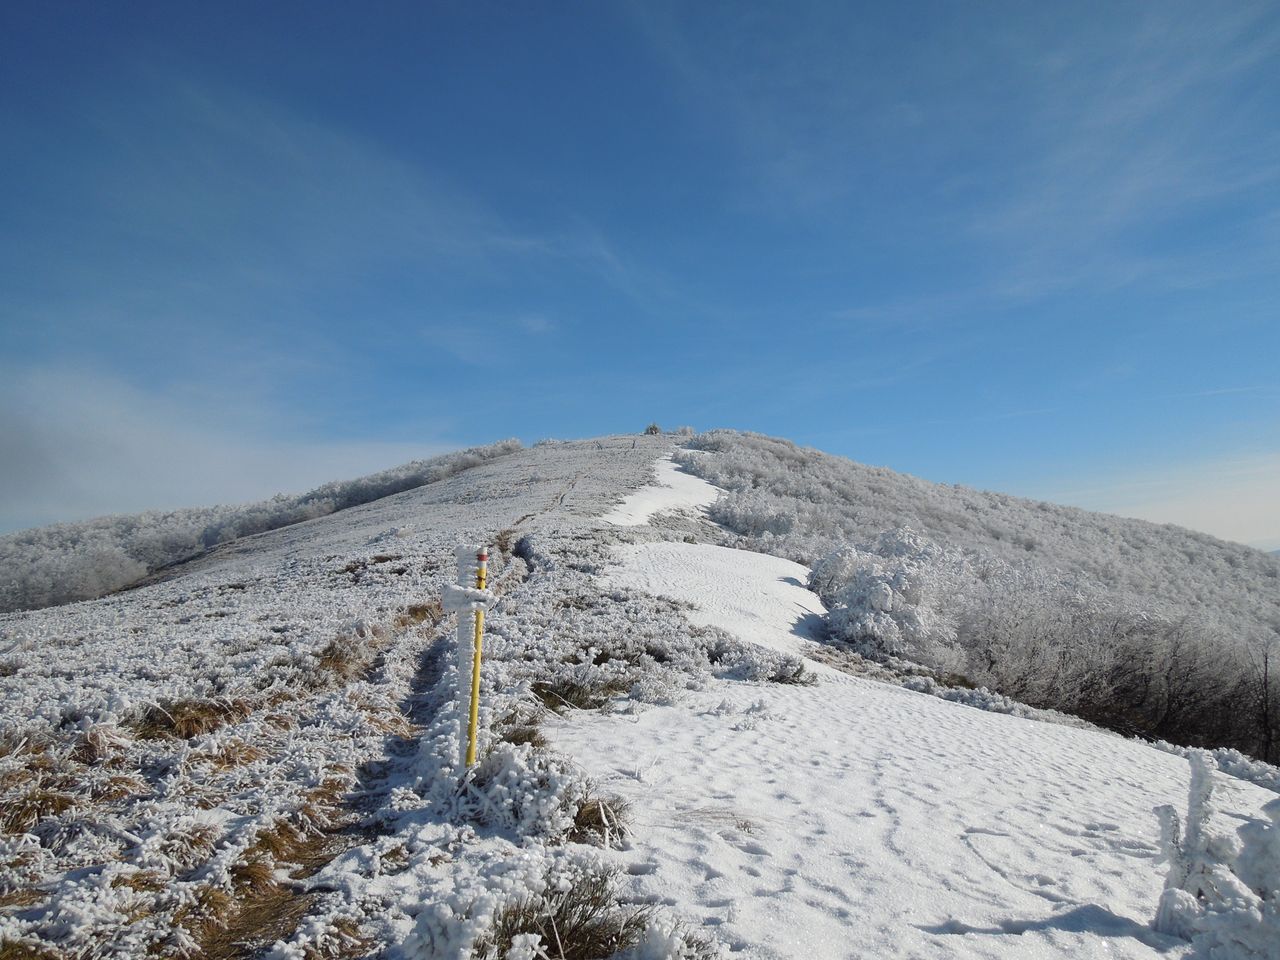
[100, 743]
[16, 743]
[234, 753]
[144, 881]
[281, 841]
[184, 719]
[585, 922]
[525, 733]
[191, 846]
[211, 910]
[344, 657]
[504, 539]
[22, 812]
[415, 614]
[562, 694]
[332, 790]
[21, 897]
[601, 820]
[268, 911]
[256, 876]
[16, 950]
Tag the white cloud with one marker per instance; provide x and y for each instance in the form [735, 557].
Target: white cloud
[75, 445]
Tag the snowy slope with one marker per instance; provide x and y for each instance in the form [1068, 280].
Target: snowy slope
[257, 754]
[759, 598]
[673, 489]
[856, 819]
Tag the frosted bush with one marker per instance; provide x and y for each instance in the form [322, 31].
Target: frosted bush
[893, 596]
[1222, 891]
[1148, 629]
[79, 561]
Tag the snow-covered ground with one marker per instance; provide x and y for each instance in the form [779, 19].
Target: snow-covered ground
[770, 818]
[674, 490]
[758, 598]
[855, 819]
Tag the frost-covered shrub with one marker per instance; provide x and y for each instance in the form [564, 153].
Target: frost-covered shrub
[812, 503]
[1222, 891]
[577, 917]
[1148, 629]
[895, 595]
[80, 561]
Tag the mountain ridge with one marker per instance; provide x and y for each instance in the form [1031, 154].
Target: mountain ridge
[271, 729]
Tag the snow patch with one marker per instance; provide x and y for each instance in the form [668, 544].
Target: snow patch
[858, 819]
[758, 598]
[675, 490]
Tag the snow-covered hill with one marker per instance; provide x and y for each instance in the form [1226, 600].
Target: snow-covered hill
[1150, 629]
[257, 753]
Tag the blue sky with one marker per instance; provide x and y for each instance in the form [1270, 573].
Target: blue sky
[1028, 247]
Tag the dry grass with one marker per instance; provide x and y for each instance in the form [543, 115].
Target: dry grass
[144, 881]
[15, 950]
[257, 876]
[792, 671]
[341, 939]
[419, 613]
[585, 922]
[210, 911]
[281, 719]
[22, 812]
[601, 820]
[101, 743]
[268, 911]
[331, 792]
[184, 719]
[263, 918]
[525, 733]
[234, 753]
[22, 897]
[189, 847]
[344, 657]
[282, 842]
[16, 743]
[504, 540]
[564, 694]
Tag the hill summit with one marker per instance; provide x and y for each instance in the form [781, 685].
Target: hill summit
[739, 698]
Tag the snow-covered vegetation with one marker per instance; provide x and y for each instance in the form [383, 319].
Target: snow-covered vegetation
[178, 760]
[79, 561]
[1148, 629]
[257, 754]
[1223, 889]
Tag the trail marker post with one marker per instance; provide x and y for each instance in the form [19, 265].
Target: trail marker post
[469, 599]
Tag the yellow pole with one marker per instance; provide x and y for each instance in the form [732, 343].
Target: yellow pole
[482, 567]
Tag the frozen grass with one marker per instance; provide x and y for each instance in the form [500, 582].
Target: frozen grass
[582, 922]
[602, 820]
[79, 561]
[297, 696]
[205, 742]
[184, 719]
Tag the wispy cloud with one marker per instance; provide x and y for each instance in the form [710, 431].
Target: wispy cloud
[200, 204]
[1051, 148]
[1134, 128]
